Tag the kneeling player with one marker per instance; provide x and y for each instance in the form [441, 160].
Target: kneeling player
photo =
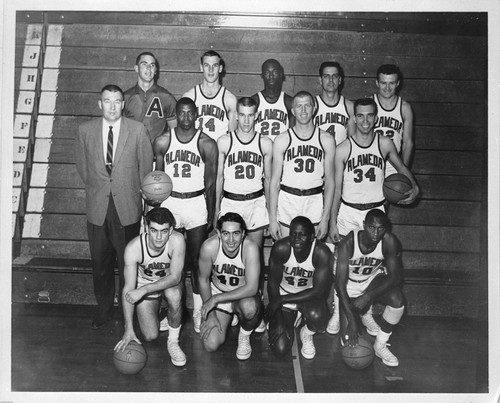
[233, 262]
[300, 279]
[369, 269]
[153, 266]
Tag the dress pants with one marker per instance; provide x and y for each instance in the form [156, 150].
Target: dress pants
[107, 246]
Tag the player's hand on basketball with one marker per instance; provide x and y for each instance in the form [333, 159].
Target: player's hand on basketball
[134, 295]
[208, 325]
[271, 309]
[411, 195]
[128, 336]
[149, 202]
[351, 335]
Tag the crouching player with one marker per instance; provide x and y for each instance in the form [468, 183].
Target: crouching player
[369, 270]
[233, 263]
[153, 266]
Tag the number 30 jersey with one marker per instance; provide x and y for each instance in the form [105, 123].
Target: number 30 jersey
[228, 273]
[364, 173]
[298, 276]
[184, 164]
[243, 166]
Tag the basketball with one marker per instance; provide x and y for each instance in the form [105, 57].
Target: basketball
[131, 360]
[395, 187]
[156, 186]
[360, 356]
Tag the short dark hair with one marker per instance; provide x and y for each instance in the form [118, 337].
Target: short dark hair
[112, 88]
[274, 61]
[324, 65]
[377, 213]
[388, 69]
[303, 94]
[247, 101]
[306, 222]
[211, 53]
[185, 101]
[138, 58]
[232, 217]
[365, 102]
[160, 215]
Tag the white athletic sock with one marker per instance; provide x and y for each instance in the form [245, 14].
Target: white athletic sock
[197, 302]
[307, 331]
[245, 332]
[173, 333]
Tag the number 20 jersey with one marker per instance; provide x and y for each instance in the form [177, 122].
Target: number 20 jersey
[298, 276]
[243, 166]
[364, 173]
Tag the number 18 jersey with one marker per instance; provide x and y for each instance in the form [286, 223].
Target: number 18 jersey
[364, 173]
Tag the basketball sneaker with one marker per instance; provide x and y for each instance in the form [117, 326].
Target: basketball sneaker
[197, 320]
[372, 327]
[308, 350]
[244, 350]
[235, 320]
[164, 324]
[382, 352]
[261, 328]
[333, 326]
[177, 356]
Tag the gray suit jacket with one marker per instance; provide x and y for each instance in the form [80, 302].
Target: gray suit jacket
[132, 161]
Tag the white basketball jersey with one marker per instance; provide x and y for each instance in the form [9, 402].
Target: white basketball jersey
[298, 276]
[272, 118]
[184, 165]
[364, 173]
[303, 162]
[332, 119]
[243, 166]
[212, 112]
[361, 266]
[390, 123]
[228, 273]
[153, 267]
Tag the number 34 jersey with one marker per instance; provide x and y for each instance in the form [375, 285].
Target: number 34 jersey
[364, 173]
[298, 276]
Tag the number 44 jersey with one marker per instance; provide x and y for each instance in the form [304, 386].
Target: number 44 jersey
[364, 173]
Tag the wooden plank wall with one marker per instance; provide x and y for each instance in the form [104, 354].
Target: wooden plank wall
[443, 57]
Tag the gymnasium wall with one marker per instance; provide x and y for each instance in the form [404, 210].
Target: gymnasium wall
[63, 59]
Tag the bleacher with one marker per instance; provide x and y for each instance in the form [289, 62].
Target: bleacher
[60, 68]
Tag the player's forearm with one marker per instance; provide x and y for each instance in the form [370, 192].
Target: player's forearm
[168, 281]
[205, 291]
[128, 311]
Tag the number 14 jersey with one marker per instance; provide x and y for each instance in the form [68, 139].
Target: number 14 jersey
[364, 173]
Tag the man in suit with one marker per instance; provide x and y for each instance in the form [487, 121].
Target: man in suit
[112, 155]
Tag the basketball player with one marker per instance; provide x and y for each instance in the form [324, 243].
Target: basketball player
[362, 280]
[245, 159]
[216, 105]
[147, 102]
[274, 107]
[299, 280]
[189, 157]
[334, 113]
[229, 283]
[395, 116]
[153, 266]
[359, 177]
[302, 180]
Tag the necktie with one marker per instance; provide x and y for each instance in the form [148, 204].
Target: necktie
[109, 153]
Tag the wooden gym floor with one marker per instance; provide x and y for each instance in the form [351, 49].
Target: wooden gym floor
[55, 350]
